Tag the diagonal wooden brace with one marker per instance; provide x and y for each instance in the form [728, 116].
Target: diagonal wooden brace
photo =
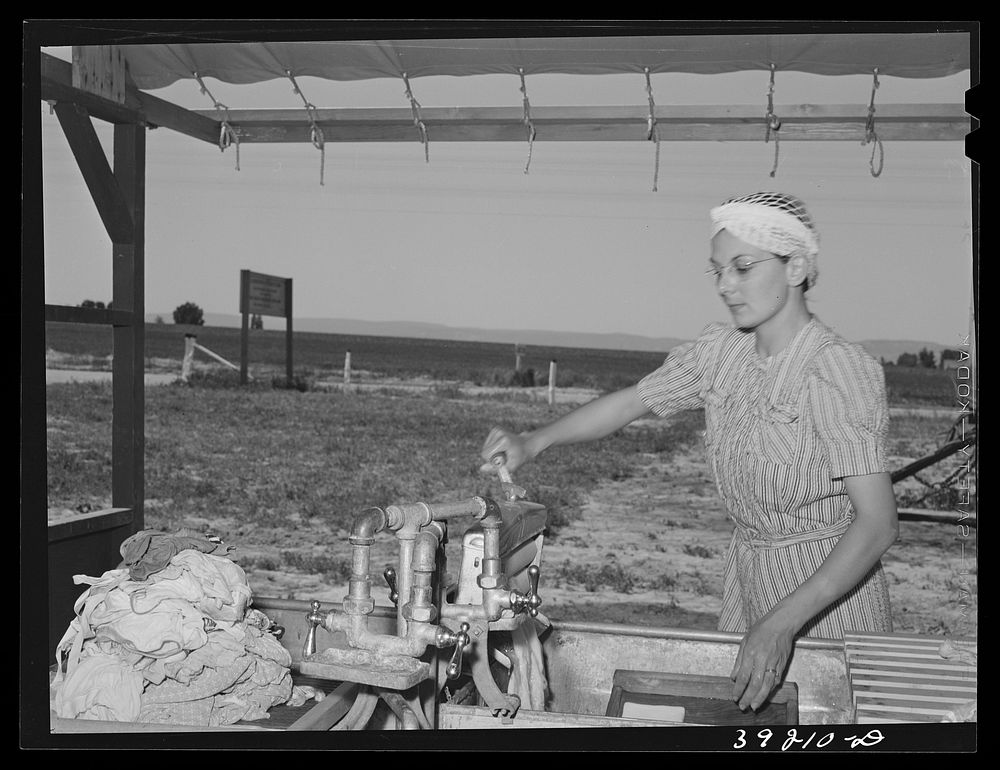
[97, 173]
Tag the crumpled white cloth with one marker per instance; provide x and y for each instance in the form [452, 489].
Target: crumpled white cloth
[103, 687]
[527, 674]
[180, 646]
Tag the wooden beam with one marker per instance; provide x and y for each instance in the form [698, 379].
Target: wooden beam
[160, 113]
[100, 70]
[128, 364]
[806, 122]
[55, 92]
[88, 315]
[139, 107]
[87, 523]
[100, 179]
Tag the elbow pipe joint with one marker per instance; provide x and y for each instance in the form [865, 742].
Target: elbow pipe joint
[490, 514]
[421, 607]
[366, 525]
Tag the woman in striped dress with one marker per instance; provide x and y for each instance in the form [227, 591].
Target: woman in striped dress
[796, 419]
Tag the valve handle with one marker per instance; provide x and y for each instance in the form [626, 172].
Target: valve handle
[390, 578]
[461, 640]
[315, 619]
[511, 490]
[534, 600]
[531, 601]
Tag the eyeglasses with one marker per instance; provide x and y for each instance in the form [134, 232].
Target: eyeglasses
[739, 265]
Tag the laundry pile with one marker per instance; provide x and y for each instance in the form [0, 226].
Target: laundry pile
[170, 637]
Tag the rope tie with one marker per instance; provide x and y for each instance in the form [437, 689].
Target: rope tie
[870, 135]
[773, 122]
[529, 126]
[651, 132]
[227, 136]
[417, 121]
[315, 132]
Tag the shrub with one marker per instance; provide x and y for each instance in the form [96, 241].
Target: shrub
[189, 313]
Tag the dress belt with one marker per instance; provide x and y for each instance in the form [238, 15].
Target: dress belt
[780, 541]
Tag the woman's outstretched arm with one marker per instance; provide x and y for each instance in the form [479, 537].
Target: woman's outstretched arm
[594, 420]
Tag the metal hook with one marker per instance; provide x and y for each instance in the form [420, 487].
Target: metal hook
[870, 134]
[417, 121]
[315, 132]
[772, 121]
[227, 135]
[527, 118]
[651, 133]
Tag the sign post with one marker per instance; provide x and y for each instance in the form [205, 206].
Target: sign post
[262, 294]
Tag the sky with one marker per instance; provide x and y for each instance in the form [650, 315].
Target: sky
[581, 243]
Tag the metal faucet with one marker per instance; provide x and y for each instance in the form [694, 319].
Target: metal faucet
[397, 661]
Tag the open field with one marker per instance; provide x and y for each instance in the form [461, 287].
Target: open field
[318, 357]
[637, 533]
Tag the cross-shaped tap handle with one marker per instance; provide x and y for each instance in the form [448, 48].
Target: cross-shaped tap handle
[461, 641]
[531, 601]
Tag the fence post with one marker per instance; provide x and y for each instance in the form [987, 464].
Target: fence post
[347, 368]
[189, 343]
[552, 382]
[517, 358]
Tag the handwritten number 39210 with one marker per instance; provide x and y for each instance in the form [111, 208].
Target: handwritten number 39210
[871, 738]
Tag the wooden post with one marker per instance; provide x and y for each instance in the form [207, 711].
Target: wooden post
[347, 368]
[552, 382]
[245, 332]
[128, 367]
[189, 344]
[517, 357]
[288, 331]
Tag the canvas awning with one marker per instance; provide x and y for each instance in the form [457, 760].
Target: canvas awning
[917, 55]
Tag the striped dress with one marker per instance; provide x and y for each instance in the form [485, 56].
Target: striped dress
[781, 435]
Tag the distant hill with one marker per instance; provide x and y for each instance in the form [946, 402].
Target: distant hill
[890, 350]
[464, 334]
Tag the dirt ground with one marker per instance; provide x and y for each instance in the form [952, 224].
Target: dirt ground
[663, 532]
[662, 535]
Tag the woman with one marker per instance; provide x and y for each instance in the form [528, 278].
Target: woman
[796, 419]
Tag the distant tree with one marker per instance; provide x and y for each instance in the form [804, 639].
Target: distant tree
[256, 321]
[159, 319]
[949, 355]
[906, 359]
[89, 303]
[926, 358]
[189, 313]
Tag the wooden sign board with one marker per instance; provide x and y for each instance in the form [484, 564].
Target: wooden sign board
[264, 295]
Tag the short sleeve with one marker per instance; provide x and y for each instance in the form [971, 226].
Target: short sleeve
[679, 384]
[849, 410]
